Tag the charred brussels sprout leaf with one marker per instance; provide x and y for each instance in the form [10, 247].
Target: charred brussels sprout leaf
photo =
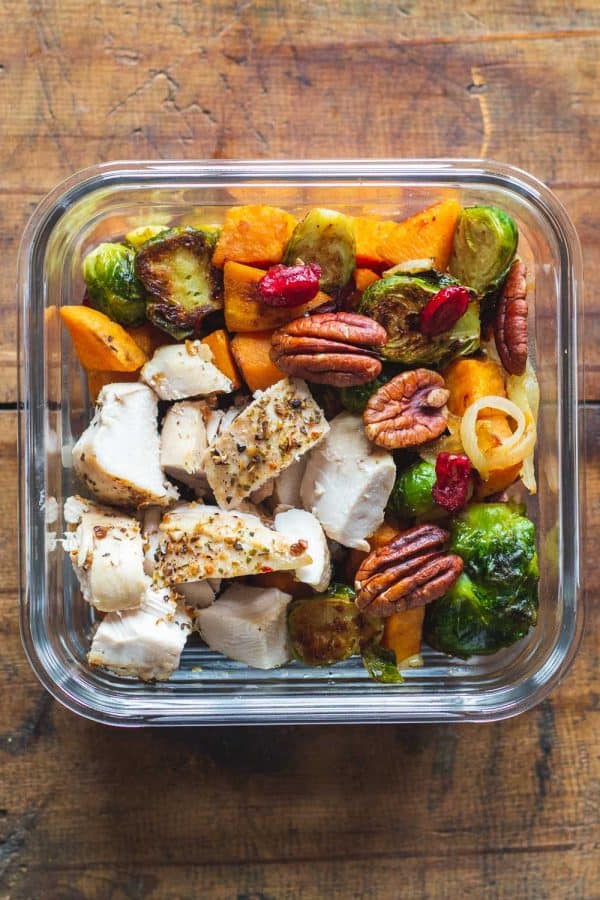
[112, 285]
[396, 303]
[175, 268]
[380, 663]
[411, 494]
[327, 238]
[327, 628]
[494, 602]
[485, 243]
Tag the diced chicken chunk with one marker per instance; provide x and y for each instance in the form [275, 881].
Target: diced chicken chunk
[106, 551]
[199, 594]
[145, 643]
[118, 455]
[249, 625]
[286, 487]
[200, 542]
[276, 429]
[347, 483]
[298, 524]
[182, 444]
[178, 371]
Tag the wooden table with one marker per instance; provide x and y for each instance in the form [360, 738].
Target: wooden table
[508, 810]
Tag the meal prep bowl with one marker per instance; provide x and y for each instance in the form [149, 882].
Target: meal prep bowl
[102, 203]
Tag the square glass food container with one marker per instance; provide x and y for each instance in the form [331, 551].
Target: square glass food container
[102, 203]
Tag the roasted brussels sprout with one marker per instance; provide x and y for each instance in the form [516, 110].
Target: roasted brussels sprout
[381, 665]
[175, 268]
[355, 399]
[328, 628]
[327, 238]
[396, 303]
[485, 243]
[138, 236]
[411, 494]
[494, 602]
[112, 285]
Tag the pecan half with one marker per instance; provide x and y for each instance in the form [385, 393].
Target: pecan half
[410, 571]
[510, 326]
[330, 348]
[407, 411]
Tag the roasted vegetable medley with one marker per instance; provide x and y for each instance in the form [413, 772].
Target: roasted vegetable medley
[312, 439]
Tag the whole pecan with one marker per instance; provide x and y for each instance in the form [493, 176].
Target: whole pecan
[407, 411]
[510, 325]
[410, 571]
[330, 348]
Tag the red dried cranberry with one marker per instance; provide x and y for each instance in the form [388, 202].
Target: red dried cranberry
[444, 310]
[289, 285]
[453, 473]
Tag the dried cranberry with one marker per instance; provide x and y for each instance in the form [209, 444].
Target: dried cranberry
[289, 285]
[444, 310]
[453, 473]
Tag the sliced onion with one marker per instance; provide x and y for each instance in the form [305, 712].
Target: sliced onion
[524, 390]
[513, 450]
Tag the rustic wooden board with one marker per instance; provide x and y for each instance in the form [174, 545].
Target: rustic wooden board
[97, 82]
[510, 808]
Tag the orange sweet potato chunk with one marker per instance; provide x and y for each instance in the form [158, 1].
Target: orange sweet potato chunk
[363, 278]
[219, 343]
[252, 355]
[101, 343]
[402, 633]
[256, 235]
[429, 234]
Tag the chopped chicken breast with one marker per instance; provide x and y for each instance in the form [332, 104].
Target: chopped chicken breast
[347, 483]
[117, 456]
[200, 542]
[298, 523]
[177, 371]
[286, 487]
[151, 518]
[145, 643]
[199, 594]
[276, 429]
[182, 444]
[248, 624]
[106, 550]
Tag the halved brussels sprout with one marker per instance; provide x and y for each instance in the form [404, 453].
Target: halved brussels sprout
[112, 285]
[396, 303]
[327, 238]
[327, 628]
[411, 495]
[485, 243]
[138, 236]
[175, 268]
[355, 399]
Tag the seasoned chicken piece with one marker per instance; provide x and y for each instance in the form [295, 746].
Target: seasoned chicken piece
[286, 487]
[347, 483]
[106, 550]
[145, 643]
[248, 624]
[118, 455]
[200, 542]
[199, 594]
[300, 524]
[177, 371]
[183, 442]
[276, 429]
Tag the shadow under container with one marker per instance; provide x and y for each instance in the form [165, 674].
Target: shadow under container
[104, 202]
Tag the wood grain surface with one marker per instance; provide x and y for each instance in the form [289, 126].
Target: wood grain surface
[506, 810]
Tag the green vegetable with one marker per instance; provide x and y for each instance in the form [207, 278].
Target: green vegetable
[112, 285]
[176, 269]
[328, 628]
[327, 238]
[396, 303]
[355, 399]
[380, 663]
[411, 494]
[485, 243]
[494, 602]
[138, 236]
